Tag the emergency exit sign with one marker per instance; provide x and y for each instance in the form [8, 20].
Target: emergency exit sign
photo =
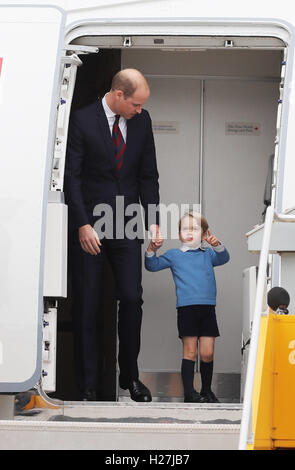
[242, 128]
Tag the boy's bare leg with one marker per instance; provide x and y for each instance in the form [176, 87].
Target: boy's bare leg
[207, 348]
[190, 347]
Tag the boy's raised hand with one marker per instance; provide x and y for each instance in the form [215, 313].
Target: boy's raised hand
[211, 239]
[157, 238]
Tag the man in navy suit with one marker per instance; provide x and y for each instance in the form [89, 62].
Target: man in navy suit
[110, 153]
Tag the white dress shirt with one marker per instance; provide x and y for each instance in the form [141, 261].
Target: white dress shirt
[203, 245]
[111, 119]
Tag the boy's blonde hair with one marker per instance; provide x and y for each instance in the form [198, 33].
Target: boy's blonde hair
[198, 217]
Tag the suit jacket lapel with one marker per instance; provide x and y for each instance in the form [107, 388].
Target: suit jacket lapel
[106, 135]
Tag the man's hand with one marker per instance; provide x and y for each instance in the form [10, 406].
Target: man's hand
[89, 240]
[157, 238]
[208, 237]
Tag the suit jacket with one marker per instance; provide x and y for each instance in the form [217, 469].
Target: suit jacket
[91, 176]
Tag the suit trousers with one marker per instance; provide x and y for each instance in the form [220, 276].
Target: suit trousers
[125, 258]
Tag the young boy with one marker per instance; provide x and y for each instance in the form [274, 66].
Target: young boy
[192, 269]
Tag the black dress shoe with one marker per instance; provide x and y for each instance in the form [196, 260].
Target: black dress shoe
[138, 391]
[195, 397]
[209, 397]
[89, 395]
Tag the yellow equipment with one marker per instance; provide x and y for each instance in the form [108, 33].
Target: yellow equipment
[273, 410]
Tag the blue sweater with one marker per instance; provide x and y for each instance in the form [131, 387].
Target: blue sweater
[192, 272]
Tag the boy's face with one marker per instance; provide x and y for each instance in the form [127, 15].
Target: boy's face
[190, 231]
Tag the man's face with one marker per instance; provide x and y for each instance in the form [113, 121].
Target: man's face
[129, 107]
[190, 231]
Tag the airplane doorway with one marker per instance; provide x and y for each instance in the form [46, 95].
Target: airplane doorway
[199, 161]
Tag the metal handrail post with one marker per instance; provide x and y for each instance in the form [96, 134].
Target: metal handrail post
[249, 385]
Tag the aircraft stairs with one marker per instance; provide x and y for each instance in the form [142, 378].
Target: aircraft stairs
[123, 425]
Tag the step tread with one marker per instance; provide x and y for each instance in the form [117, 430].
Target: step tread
[137, 414]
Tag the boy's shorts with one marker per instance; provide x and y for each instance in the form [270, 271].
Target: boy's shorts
[197, 320]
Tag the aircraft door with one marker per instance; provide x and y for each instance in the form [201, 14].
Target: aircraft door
[30, 49]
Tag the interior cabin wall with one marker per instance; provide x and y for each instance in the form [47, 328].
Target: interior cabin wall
[243, 88]
[235, 169]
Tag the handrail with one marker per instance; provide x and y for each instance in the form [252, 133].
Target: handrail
[270, 216]
[249, 384]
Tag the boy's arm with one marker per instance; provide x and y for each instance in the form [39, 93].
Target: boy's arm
[219, 255]
[218, 252]
[156, 263]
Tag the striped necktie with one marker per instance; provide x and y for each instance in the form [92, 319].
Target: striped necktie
[119, 144]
